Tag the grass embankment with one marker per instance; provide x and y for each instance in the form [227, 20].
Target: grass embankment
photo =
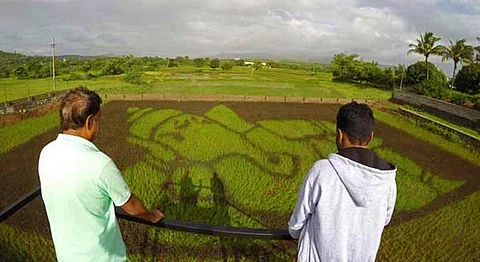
[463, 129]
[189, 80]
[408, 125]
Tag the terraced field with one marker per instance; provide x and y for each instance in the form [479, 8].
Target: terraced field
[241, 164]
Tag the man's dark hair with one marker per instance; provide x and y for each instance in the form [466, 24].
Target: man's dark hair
[76, 106]
[356, 120]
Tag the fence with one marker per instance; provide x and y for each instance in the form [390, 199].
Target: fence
[454, 113]
[31, 103]
[200, 228]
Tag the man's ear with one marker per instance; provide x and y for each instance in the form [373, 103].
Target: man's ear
[339, 135]
[89, 123]
[369, 139]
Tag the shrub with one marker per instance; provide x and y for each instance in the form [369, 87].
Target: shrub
[459, 98]
[431, 88]
[476, 101]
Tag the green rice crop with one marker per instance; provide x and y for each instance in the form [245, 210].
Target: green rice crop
[22, 132]
[24, 246]
[220, 169]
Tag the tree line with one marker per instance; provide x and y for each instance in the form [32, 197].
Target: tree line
[421, 77]
[77, 67]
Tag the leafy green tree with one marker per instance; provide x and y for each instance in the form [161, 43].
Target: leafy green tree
[199, 62]
[468, 79]
[113, 67]
[426, 45]
[20, 72]
[86, 67]
[34, 68]
[457, 51]
[215, 63]
[239, 62]
[477, 49]
[134, 76]
[4, 71]
[344, 67]
[227, 66]
[172, 62]
[416, 79]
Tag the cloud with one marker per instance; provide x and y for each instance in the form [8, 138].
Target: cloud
[375, 29]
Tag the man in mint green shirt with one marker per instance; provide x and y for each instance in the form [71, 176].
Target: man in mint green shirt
[80, 186]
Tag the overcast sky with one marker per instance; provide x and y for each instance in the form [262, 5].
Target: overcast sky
[377, 30]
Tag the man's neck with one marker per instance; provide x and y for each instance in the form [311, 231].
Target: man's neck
[78, 133]
[355, 146]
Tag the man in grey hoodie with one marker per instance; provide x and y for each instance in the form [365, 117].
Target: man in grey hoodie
[346, 200]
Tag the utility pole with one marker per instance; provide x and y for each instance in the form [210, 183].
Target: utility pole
[28, 89]
[5, 95]
[401, 79]
[53, 64]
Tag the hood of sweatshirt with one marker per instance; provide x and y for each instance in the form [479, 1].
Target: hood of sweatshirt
[364, 181]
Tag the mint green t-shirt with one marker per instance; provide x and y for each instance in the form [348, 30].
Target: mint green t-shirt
[80, 186]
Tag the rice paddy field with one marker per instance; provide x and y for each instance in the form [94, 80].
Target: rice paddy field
[241, 164]
[193, 80]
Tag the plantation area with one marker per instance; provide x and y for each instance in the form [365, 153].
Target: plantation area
[241, 164]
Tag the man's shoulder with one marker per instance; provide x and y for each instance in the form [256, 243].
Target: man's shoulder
[320, 168]
[322, 165]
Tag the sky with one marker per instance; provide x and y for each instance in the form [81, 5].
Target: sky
[378, 30]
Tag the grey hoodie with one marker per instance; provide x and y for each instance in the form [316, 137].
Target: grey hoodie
[342, 209]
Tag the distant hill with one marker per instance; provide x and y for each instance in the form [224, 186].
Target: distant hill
[10, 55]
[245, 55]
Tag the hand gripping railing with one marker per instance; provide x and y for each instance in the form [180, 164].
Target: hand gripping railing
[200, 228]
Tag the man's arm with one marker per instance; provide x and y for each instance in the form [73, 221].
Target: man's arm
[113, 184]
[135, 208]
[391, 203]
[305, 206]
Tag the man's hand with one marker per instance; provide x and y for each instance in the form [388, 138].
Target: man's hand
[135, 208]
[156, 216]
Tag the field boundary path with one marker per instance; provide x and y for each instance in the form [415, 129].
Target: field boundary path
[230, 98]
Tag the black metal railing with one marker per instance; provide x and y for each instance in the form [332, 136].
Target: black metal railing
[193, 227]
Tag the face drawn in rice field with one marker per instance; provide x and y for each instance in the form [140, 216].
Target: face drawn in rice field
[258, 166]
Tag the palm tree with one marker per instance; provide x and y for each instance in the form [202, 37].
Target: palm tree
[458, 51]
[477, 48]
[425, 45]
